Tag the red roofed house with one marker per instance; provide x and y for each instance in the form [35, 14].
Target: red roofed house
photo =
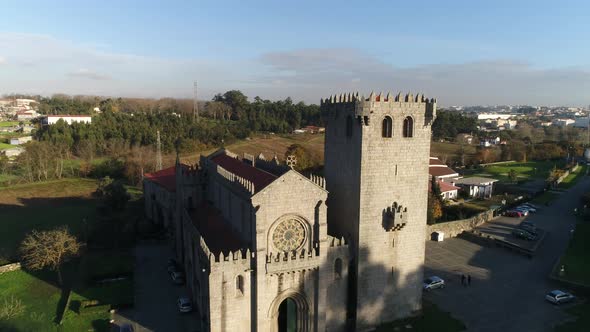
[445, 177]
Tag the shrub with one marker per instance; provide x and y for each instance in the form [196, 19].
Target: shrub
[11, 307]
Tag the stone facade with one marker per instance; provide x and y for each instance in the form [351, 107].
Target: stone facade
[376, 166]
[454, 228]
[256, 238]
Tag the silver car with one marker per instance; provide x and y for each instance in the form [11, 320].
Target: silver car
[433, 282]
[558, 297]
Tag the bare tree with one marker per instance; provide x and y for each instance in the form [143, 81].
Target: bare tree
[48, 249]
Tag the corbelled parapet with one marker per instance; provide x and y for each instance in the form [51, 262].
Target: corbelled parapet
[272, 166]
[288, 262]
[362, 107]
[320, 181]
[238, 256]
[235, 180]
[337, 242]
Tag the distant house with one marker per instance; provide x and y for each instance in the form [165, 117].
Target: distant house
[465, 138]
[563, 122]
[69, 119]
[20, 140]
[13, 152]
[440, 171]
[476, 187]
[487, 142]
[447, 190]
[314, 129]
[26, 115]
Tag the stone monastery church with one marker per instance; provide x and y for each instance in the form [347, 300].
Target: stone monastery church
[265, 248]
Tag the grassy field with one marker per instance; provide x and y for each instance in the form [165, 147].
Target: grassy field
[43, 206]
[8, 123]
[39, 297]
[432, 319]
[573, 178]
[451, 151]
[4, 146]
[525, 171]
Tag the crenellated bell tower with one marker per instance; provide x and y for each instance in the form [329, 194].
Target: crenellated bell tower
[376, 168]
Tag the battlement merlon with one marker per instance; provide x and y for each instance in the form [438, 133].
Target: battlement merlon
[363, 106]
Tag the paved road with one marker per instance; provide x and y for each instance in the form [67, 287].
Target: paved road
[507, 289]
[155, 295]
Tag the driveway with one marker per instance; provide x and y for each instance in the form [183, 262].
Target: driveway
[155, 295]
[507, 291]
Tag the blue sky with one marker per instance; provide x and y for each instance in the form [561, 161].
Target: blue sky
[462, 52]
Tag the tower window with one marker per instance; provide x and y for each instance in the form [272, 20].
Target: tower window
[239, 285]
[408, 127]
[349, 126]
[387, 128]
[337, 268]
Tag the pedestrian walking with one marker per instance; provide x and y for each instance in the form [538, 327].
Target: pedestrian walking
[469, 280]
[463, 279]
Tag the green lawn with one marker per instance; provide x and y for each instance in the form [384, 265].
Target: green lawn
[524, 171]
[577, 264]
[432, 319]
[573, 178]
[43, 206]
[39, 297]
[8, 123]
[4, 146]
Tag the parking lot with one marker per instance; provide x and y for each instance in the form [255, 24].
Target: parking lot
[155, 295]
[507, 290]
[501, 228]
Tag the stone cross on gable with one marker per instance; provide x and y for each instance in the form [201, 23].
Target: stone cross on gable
[291, 161]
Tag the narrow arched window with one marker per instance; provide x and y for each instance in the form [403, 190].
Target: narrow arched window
[349, 126]
[408, 127]
[387, 128]
[337, 268]
[239, 285]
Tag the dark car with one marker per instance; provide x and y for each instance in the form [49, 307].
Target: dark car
[522, 234]
[529, 227]
[514, 213]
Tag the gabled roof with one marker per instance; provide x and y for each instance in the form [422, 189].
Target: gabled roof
[214, 230]
[258, 177]
[475, 181]
[165, 178]
[445, 187]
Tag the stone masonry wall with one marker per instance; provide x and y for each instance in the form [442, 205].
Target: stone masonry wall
[9, 267]
[454, 228]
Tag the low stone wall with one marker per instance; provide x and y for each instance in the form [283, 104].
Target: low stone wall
[9, 267]
[454, 228]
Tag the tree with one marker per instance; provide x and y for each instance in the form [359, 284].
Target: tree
[48, 249]
[302, 156]
[113, 193]
[513, 176]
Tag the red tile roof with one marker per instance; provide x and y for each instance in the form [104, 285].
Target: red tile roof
[216, 233]
[445, 186]
[166, 178]
[258, 177]
[436, 161]
[440, 170]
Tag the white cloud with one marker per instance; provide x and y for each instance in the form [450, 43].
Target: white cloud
[44, 64]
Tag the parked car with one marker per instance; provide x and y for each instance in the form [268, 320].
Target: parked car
[524, 212]
[514, 213]
[558, 297]
[521, 233]
[433, 282]
[184, 304]
[177, 277]
[531, 205]
[527, 208]
[529, 227]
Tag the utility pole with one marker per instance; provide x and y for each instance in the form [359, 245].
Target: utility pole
[195, 103]
[158, 152]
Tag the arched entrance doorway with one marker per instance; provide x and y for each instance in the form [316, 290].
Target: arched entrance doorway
[288, 316]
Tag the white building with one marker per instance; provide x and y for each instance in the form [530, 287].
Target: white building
[24, 102]
[493, 116]
[563, 122]
[20, 140]
[26, 115]
[69, 119]
[476, 187]
[12, 152]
